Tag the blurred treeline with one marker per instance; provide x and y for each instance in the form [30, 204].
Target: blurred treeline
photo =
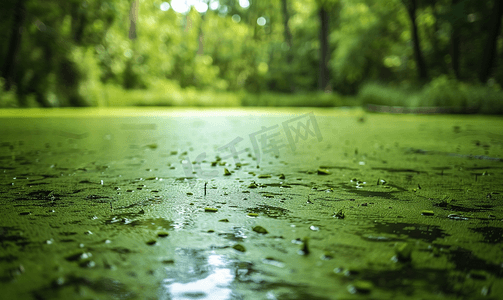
[246, 52]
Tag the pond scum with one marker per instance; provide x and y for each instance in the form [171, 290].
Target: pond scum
[109, 212]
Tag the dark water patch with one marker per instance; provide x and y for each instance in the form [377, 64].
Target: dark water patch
[398, 170]
[74, 222]
[110, 287]
[270, 211]
[44, 195]
[427, 233]
[441, 168]
[37, 184]
[466, 260]
[481, 208]
[6, 168]
[67, 240]
[481, 157]
[12, 234]
[482, 168]
[75, 191]
[67, 233]
[98, 198]
[122, 250]
[468, 156]
[408, 280]
[47, 176]
[89, 182]
[492, 235]
[8, 258]
[270, 194]
[338, 168]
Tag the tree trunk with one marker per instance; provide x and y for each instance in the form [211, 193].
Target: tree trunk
[418, 56]
[200, 37]
[288, 40]
[133, 19]
[455, 42]
[14, 44]
[79, 21]
[286, 17]
[324, 79]
[490, 47]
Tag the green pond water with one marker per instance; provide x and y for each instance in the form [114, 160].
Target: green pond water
[312, 204]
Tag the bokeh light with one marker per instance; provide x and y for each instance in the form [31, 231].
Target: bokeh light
[261, 21]
[165, 6]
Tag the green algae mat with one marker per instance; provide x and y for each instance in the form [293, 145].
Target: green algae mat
[249, 204]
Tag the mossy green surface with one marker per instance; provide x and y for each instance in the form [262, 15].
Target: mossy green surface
[89, 209]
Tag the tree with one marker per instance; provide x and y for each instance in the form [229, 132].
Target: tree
[489, 51]
[411, 6]
[323, 76]
[455, 41]
[14, 43]
[288, 40]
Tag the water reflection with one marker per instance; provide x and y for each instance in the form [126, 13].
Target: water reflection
[195, 276]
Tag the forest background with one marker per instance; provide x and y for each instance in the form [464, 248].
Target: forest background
[412, 53]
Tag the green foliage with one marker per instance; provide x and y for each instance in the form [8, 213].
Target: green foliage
[379, 94]
[443, 91]
[440, 92]
[317, 99]
[7, 98]
[165, 93]
[77, 53]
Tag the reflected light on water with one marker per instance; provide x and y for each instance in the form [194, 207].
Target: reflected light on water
[214, 286]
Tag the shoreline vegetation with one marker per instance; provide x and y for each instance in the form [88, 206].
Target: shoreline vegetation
[441, 96]
[397, 56]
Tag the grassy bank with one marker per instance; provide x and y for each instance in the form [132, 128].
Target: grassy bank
[450, 95]
[441, 92]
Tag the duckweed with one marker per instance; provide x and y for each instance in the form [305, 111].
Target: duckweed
[253, 185]
[360, 286]
[323, 172]
[260, 229]
[403, 251]
[305, 246]
[340, 214]
[239, 248]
